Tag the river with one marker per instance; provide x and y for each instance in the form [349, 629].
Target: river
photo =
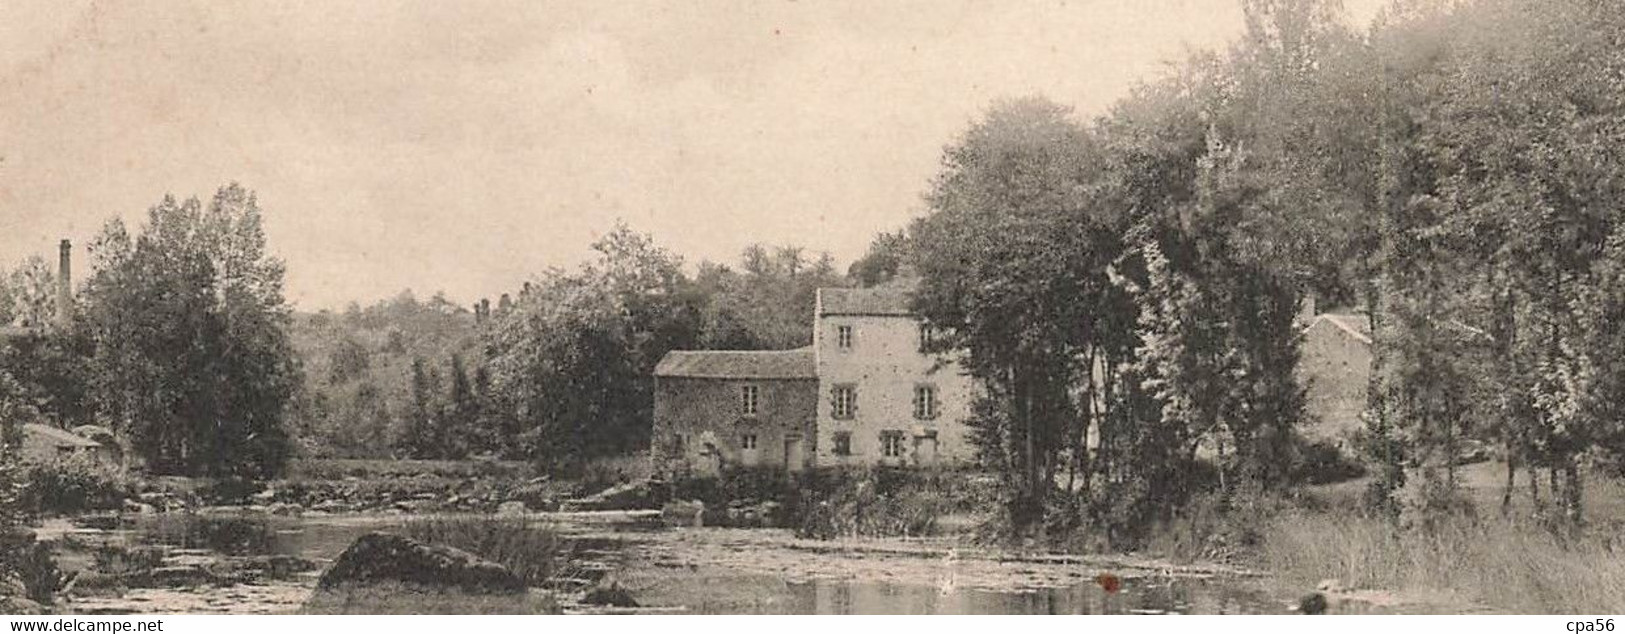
[702, 570]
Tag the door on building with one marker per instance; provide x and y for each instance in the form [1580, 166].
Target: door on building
[795, 456]
[709, 461]
[925, 448]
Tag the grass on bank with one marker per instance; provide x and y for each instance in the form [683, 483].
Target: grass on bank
[530, 549]
[1512, 563]
[1507, 564]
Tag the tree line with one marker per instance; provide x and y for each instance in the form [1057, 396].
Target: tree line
[181, 342]
[556, 372]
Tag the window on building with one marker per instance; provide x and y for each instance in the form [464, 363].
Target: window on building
[891, 444]
[843, 337]
[844, 401]
[926, 335]
[747, 441]
[925, 402]
[843, 443]
[750, 398]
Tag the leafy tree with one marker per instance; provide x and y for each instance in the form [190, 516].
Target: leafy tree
[15, 410]
[462, 412]
[1014, 265]
[192, 358]
[8, 300]
[573, 359]
[889, 254]
[769, 305]
[349, 361]
[31, 293]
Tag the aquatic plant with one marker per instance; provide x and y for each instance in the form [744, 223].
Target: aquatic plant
[531, 550]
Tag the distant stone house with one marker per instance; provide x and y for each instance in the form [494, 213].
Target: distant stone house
[44, 443]
[1335, 368]
[864, 393]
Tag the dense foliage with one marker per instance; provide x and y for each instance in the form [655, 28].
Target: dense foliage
[177, 340]
[1127, 287]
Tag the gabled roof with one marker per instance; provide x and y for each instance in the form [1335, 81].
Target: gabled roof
[889, 299]
[738, 364]
[58, 437]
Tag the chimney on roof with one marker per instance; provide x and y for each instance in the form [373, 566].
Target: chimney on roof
[64, 285]
[1307, 310]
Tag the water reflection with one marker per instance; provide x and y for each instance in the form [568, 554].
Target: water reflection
[1155, 597]
[251, 535]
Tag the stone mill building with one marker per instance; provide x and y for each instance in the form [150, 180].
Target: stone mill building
[864, 393]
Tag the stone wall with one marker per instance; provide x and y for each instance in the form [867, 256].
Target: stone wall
[704, 411]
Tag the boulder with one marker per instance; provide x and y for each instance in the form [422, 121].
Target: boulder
[612, 595]
[331, 506]
[623, 497]
[18, 606]
[378, 557]
[681, 513]
[512, 507]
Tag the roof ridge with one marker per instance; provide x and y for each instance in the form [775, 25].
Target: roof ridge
[1337, 320]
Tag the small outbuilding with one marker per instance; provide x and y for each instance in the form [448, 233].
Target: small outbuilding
[42, 443]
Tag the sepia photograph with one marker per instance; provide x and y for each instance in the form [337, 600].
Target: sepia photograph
[811, 307]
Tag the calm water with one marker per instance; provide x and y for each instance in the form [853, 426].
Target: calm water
[323, 539]
[845, 597]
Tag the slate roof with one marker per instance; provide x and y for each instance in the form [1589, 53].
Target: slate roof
[59, 437]
[887, 300]
[738, 364]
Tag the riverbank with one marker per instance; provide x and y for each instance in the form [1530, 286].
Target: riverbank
[250, 559]
[721, 570]
[664, 570]
[1477, 557]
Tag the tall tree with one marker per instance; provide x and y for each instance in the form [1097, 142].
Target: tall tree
[573, 360]
[1014, 266]
[192, 360]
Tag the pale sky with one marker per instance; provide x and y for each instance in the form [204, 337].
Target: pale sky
[465, 146]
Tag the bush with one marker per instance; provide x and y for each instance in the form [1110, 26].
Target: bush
[877, 502]
[1322, 462]
[68, 487]
[34, 564]
[532, 551]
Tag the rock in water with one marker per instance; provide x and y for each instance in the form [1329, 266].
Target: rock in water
[680, 513]
[385, 557]
[612, 595]
[1314, 603]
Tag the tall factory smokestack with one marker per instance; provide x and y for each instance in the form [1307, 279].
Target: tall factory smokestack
[64, 285]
